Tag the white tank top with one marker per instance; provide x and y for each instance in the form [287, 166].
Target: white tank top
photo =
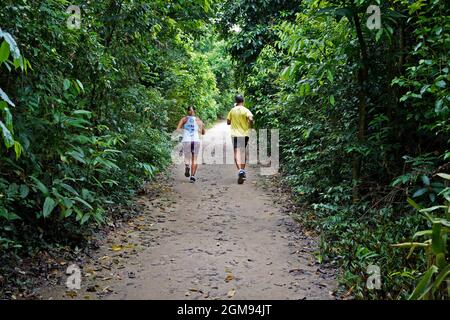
[190, 130]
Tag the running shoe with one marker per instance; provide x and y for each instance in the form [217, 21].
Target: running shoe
[241, 177]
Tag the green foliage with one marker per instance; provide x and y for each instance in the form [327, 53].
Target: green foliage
[255, 20]
[363, 119]
[219, 60]
[9, 47]
[87, 119]
[435, 282]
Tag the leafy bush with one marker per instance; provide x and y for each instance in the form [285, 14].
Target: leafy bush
[94, 108]
[363, 120]
[435, 282]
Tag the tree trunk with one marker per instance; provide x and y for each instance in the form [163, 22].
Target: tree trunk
[362, 107]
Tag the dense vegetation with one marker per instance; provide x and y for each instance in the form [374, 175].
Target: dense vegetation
[86, 116]
[363, 115]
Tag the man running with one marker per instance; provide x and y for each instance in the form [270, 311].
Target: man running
[192, 128]
[240, 119]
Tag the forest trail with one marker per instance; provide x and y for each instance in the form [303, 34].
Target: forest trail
[213, 239]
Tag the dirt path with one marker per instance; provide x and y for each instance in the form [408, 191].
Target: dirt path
[211, 240]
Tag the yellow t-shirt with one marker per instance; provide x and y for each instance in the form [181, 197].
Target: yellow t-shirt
[239, 116]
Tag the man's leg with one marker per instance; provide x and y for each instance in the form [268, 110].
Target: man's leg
[235, 152]
[238, 155]
[241, 158]
[242, 152]
[245, 151]
[238, 158]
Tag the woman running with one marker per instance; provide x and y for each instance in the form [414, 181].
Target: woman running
[192, 128]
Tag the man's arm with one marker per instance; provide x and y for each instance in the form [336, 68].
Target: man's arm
[250, 119]
[229, 118]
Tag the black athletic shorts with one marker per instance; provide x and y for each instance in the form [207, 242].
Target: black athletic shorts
[191, 148]
[240, 142]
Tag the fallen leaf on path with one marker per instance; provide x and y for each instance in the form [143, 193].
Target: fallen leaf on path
[72, 294]
[231, 293]
[107, 289]
[348, 293]
[107, 267]
[91, 289]
[229, 277]
[116, 247]
[54, 272]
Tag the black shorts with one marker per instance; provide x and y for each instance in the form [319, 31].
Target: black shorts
[240, 142]
[191, 148]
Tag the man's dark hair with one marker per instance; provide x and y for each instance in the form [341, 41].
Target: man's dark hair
[239, 99]
[189, 108]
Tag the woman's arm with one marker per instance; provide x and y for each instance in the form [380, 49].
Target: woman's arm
[181, 123]
[201, 126]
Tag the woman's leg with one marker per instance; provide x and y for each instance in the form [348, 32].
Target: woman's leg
[187, 153]
[194, 164]
[187, 158]
[194, 154]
